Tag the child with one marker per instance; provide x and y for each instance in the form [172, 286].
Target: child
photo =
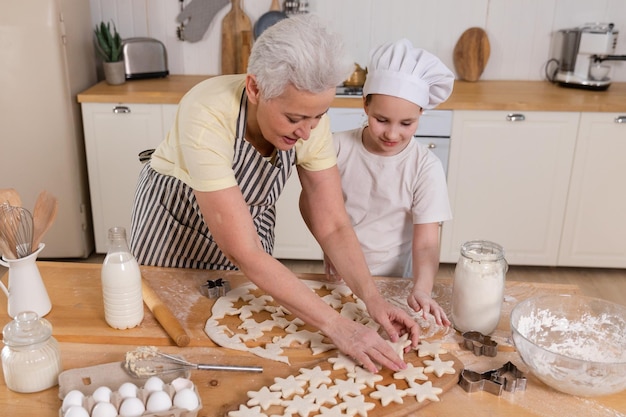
[394, 187]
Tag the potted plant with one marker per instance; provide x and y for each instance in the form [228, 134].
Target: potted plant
[109, 47]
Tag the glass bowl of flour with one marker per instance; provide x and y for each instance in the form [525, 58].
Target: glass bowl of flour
[574, 344]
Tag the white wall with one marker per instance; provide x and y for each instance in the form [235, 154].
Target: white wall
[520, 31]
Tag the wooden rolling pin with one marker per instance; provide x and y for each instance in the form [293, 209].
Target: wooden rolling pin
[164, 316]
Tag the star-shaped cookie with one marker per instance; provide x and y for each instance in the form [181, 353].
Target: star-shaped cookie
[424, 391]
[439, 367]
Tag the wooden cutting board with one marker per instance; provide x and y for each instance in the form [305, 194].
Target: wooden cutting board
[236, 40]
[471, 54]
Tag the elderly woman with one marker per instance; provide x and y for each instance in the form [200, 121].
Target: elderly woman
[207, 197]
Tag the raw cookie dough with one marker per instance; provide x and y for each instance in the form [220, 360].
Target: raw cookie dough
[439, 367]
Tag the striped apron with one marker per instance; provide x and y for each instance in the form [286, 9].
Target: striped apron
[167, 228]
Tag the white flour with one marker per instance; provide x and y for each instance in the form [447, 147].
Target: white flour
[599, 340]
[477, 295]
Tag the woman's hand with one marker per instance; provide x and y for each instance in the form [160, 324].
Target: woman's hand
[364, 345]
[420, 300]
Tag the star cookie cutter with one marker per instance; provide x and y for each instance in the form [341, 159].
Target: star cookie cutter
[506, 378]
[215, 288]
[480, 344]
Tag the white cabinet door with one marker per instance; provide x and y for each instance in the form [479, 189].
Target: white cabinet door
[594, 231]
[293, 240]
[508, 182]
[114, 135]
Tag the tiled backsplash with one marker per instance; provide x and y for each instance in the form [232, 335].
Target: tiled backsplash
[520, 31]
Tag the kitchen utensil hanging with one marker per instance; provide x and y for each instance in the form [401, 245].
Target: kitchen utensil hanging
[268, 19]
[236, 40]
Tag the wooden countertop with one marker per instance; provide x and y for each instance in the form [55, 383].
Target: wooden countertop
[481, 95]
[78, 324]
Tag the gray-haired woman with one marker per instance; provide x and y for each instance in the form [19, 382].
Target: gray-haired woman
[207, 197]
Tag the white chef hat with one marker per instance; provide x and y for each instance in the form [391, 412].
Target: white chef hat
[398, 69]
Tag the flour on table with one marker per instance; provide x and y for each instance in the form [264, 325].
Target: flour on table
[424, 391]
[439, 367]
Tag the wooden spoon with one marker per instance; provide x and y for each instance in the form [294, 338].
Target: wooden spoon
[44, 214]
[10, 196]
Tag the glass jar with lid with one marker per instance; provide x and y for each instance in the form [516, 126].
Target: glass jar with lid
[31, 360]
[478, 287]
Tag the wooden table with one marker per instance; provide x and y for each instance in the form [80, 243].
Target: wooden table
[85, 339]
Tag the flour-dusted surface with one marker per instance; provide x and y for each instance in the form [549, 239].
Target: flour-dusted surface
[574, 344]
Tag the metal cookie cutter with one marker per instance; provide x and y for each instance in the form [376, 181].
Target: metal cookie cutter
[507, 378]
[215, 288]
[480, 344]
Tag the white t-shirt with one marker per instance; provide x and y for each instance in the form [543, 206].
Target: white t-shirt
[386, 195]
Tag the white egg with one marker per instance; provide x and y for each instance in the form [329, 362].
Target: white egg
[154, 383]
[127, 389]
[102, 394]
[180, 383]
[132, 407]
[104, 409]
[76, 411]
[74, 397]
[187, 399]
[158, 401]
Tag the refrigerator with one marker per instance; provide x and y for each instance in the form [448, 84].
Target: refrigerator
[47, 58]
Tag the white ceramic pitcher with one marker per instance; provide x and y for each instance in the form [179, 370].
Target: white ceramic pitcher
[26, 291]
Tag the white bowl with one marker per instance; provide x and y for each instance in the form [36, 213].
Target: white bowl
[574, 344]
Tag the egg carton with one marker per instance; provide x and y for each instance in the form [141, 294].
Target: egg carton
[112, 375]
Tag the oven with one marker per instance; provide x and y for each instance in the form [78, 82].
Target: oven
[434, 129]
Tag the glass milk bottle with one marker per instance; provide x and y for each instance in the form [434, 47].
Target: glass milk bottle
[121, 283]
[478, 287]
[31, 361]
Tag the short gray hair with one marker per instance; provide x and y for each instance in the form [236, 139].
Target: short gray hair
[300, 51]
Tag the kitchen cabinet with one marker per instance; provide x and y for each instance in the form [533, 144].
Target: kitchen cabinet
[114, 135]
[293, 240]
[508, 179]
[594, 228]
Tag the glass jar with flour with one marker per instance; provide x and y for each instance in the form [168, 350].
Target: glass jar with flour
[478, 287]
[31, 360]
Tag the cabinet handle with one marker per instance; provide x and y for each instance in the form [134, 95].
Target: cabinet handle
[121, 110]
[620, 119]
[515, 117]
[432, 146]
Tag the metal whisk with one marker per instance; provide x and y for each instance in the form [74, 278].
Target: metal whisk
[147, 361]
[16, 229]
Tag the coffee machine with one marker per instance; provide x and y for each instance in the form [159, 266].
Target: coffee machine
[581, 53]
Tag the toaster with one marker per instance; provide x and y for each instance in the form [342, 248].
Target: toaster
[144, 58]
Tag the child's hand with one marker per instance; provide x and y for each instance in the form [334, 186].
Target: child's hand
[330, 272]
[419, 300]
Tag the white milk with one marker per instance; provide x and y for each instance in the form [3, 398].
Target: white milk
[121, 284]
